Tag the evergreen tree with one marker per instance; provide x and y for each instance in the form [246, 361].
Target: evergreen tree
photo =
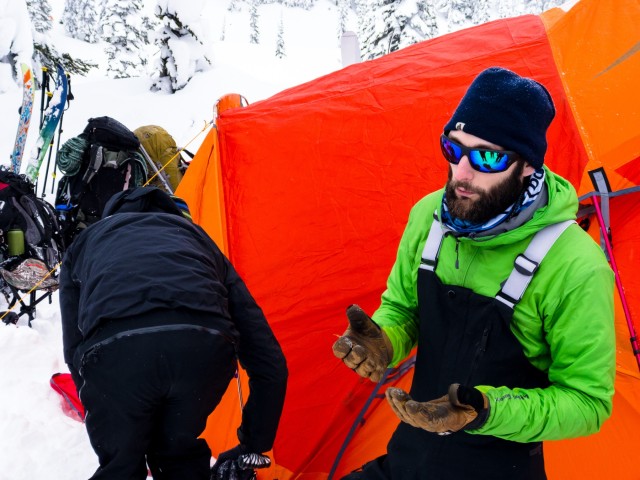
[148, 26]
[254, 36]
[70, 18]
[92, 11]
[40, 14]
[280, 53]
[122, 31]
[306, 4]
[182, 52]
[343, 13]
[82, 19]
[234, 6]
[535, 6]
[509, 8]
[386, 27]
[456, 12]
[422, 22]
[482, 11]
[44, 53]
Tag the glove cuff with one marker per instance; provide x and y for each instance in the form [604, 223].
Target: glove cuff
[463, 395]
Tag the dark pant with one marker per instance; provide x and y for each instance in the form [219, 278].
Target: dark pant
[147, 398]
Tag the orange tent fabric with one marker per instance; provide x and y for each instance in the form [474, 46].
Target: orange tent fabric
[317, 182]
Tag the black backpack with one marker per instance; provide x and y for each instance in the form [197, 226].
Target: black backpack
[32, 220]
[103, 160]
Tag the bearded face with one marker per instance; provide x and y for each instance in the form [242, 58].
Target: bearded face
[488, 203]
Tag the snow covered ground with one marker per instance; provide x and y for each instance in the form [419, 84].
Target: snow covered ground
[37, 441]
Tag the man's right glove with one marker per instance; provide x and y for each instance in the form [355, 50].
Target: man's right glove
[238, 464]
[364, 347]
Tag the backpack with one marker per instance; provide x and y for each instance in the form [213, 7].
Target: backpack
[103, 160]
[29, 230]
[161, 147]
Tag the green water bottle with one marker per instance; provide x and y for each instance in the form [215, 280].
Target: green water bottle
[15, 242]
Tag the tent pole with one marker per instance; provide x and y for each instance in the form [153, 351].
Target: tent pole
[616, 272]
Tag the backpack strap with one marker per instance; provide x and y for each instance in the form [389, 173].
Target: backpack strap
[527, 263]
[432, 246]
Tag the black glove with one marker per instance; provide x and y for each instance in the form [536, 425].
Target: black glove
[364, 347]
[238, 464]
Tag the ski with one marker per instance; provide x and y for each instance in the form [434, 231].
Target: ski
[52, 116]
[25, 117]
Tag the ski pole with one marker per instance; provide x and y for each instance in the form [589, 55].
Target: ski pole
[44, 89]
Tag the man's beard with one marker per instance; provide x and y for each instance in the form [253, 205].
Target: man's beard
[489, 203]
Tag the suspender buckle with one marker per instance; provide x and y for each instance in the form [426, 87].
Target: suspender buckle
[428, 264]
[525, 266]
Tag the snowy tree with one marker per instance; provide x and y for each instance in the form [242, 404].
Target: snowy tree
[82, 19]
[40, 13]
[306, 4]
[91, 27]
[234, 6]
[122, 30]
[280, 41]
[16, 42]
[149, 25]
[535, 6]
[343, 13]
[389, 25]
[482, 11]
[254, 36]
[456, 12]
[70, 18]
[509, 8]
[182, 43]
[45, 53]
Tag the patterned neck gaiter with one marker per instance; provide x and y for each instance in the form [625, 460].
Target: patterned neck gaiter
[528, 197]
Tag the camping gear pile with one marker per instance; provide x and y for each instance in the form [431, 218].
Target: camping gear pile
[105, 158]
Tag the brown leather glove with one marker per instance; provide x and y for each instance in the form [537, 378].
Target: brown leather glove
[364, 347]
[462, 408]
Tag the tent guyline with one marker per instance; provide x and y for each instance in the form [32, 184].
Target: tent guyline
[390, 375]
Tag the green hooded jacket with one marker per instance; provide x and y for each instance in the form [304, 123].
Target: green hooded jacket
[565, 320]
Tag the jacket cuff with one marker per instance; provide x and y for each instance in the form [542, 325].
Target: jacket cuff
[480, 420]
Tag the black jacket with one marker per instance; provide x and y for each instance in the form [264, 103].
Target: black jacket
[140, 269]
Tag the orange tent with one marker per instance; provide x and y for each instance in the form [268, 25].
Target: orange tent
[309, 191]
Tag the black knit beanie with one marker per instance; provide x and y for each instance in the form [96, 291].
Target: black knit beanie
[504, 108]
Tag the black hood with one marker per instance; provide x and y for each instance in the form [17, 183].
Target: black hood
[144, 199]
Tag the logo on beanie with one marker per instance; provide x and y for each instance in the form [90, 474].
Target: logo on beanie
[460, 126]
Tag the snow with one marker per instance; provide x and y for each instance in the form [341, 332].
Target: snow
[37, 440]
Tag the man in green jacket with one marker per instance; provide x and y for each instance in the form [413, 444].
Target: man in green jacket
[512, 350]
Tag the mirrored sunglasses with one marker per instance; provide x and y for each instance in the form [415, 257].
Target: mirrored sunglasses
[483, 160]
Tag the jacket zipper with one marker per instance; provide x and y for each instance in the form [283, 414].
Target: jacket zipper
[482, 347]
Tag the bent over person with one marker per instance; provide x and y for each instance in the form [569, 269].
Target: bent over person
[509, 302]
[153, 319]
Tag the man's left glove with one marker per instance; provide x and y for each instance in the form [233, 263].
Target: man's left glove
[463, 408]
[238, 464]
